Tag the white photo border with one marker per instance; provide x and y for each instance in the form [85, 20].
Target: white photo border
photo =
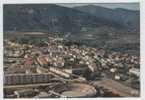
[142, 40]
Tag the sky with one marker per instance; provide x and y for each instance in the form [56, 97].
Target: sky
[131, 6]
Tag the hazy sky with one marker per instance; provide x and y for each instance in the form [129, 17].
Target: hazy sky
[132, 6]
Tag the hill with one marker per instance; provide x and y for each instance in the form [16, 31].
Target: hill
[130, 19]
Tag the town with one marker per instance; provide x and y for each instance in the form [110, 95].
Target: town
[55, 67]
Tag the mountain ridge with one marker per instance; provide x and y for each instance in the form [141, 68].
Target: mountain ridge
[36, 14]
[128, 18]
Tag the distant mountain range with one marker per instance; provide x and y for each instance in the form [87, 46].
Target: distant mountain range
[97, 26]
[54, 18]
[127, 18]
